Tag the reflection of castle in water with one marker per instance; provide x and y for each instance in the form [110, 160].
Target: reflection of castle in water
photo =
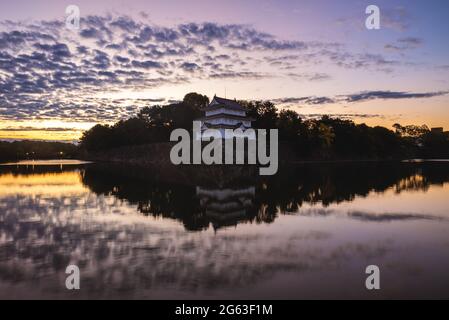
[236, 194]
[226, 207]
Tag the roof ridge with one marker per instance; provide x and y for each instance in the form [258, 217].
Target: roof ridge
[220, 98]
[228, 102]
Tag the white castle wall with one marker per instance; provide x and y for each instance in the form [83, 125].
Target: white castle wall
[226, 111]
[223, 134]
[228, 121]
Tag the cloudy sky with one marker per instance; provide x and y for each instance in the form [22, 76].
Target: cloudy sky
[315, 57]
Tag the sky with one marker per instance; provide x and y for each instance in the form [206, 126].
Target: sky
[314, 57]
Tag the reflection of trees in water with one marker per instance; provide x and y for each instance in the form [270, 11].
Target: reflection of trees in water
[41, 234]
[413, 182]
[136, 259]
[151, 196]
[328, 184]
[285, 192]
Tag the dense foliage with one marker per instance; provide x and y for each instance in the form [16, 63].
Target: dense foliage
[19, 150]
[152, 124]
[324, 138]
[293, 188]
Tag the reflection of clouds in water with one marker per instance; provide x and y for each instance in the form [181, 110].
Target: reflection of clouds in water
[124, 251]
[40, 236]
[43, 184]
[368, 216]
[388, 217]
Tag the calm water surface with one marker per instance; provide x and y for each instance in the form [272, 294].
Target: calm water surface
[308, 232]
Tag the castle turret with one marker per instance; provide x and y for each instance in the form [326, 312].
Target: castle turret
[222, 114]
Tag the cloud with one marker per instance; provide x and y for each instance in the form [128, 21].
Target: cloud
[18, 38]
[189, 66]
[356, 97]
[57, 51]
[344, 116]
[405, 44]
[362, 61]
[411, 41]
[126, 53]
[390, 217]
[148, 64]
[241, 75]
[388, 95]
[89, 33]
[312, 100]
[309, 76]
[48, 71]
[27, 128]
[396, 18]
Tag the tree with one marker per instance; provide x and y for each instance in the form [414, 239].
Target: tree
[323, 138]
[264, 113]
[97, 138]
[326, 135]
[411, 130]
[196, 101]
[131, 131]
[25, 149]
[289, 125]
[435, 145]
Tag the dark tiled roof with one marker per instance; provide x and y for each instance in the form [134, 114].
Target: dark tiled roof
[228, 102]
[231, 104]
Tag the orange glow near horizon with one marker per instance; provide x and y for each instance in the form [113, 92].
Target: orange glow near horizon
[433, 113]
[50, 130]
[316, 58]
[41, 135]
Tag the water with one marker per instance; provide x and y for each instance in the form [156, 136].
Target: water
[187, 233]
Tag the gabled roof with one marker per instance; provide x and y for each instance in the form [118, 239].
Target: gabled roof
[218, 102]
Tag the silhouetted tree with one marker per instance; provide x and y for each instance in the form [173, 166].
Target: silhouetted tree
[19, 150]
[196, 101]
[289, 123]
[323, 138]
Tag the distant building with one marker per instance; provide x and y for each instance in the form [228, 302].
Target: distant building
[437, 130]
[222, 114]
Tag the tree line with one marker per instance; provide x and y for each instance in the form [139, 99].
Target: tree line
[286, 192]
[324, 138]
[20, 150]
